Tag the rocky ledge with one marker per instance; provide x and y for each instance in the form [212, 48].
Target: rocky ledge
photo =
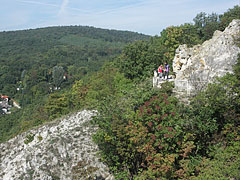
[58, 150]
[197, 66]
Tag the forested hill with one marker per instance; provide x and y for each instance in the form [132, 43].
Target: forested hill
[78, 49]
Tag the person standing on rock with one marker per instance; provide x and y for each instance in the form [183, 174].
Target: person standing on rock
[166, 70]
[160, 71]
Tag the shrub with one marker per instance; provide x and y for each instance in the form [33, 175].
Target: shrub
[29, 138]
[157, 135]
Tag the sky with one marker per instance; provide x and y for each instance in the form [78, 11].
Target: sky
[143, 16]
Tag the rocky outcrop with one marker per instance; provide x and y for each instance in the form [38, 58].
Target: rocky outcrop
[197, 66]
[59, 150]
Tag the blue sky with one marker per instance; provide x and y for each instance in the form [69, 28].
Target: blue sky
[144, 16]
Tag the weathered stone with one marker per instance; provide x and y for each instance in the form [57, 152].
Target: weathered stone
[197, 66]
[59, 150]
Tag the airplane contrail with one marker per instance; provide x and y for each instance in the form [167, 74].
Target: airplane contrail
[38, 3]
[63, 6]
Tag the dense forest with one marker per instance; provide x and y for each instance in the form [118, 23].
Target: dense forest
[27, 57]
[144, 133]
[37, 62]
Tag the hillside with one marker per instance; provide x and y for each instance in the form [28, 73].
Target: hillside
[78, 49]
[38, 62]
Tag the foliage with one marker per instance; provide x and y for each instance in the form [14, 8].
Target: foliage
[174, 36]
[129, 138]
[210, 111]
[156, 135]
[112, 120]
[40, 138]
[31, 59]
[21, 120]
[57, 105]
[141, 58]
[135, 61]
[93, 91]
[236, 69]
[207, 24]
[29, 138]
[57, 75]
[224, 164]
[227, 17]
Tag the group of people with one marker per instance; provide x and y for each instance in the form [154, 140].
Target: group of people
[163, 71]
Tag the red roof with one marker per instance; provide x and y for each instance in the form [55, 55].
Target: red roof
[4, 97]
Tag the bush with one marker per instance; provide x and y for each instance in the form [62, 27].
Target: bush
[29, 138]
[224, 165]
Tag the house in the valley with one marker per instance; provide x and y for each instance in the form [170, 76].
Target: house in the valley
[5, 107]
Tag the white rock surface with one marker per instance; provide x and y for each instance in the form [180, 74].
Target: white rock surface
[60, 150]
[197, 66]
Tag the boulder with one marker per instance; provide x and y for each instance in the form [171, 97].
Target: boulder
[197, 66]
[62, 149]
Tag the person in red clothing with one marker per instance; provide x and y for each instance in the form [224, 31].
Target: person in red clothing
[160, 71]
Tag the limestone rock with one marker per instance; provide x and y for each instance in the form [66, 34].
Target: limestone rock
[197, 66]
[59, 150]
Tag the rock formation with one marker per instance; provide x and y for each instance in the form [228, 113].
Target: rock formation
[59, 150]
[197, 66]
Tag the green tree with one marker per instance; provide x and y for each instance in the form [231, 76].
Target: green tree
[174, 36]
[135, 62]
[227, 17]
[157, 135]
[224, 164]
[57, 75]
[200, 19]
[206, 24]
[57, 105]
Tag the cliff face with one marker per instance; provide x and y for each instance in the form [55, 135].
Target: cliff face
[197, 66]
[59, 150]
